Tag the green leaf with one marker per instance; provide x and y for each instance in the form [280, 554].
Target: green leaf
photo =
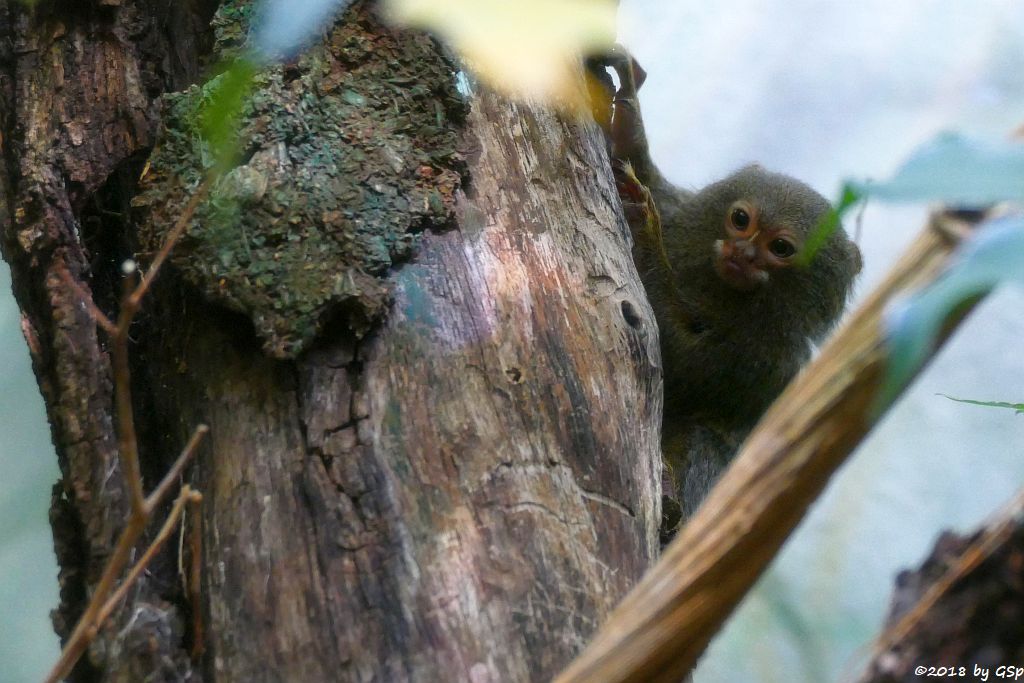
[1019, 407]
[221, 113]
[958, 170]
[994, 254]
[829, 223]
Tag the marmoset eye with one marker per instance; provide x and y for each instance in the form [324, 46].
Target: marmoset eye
[782, 248]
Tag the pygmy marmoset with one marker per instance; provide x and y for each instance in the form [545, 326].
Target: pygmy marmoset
[737, 308]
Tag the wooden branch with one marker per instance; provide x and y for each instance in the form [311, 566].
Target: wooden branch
[661, 628]
[127, 440]
[85, 629]
[135, 300]
[131, 301]
[97, 315]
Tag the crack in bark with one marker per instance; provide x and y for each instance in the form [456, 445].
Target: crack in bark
[605, 500]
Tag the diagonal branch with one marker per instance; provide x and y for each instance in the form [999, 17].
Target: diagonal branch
[171, 478]
[661, 628]
[94, 311]
[135, 300]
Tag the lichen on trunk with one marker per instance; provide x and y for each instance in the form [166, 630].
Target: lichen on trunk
[346, 153]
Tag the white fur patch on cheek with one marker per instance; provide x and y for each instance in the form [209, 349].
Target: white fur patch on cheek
[719, 246]
[761, 276]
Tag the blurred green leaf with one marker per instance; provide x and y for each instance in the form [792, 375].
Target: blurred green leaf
[829, 223]
[808, 638]
[993, 255]
[958, 170]
[221, 112]
[951, 168]
[1019, 407]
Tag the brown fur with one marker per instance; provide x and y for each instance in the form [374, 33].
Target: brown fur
[727, 353]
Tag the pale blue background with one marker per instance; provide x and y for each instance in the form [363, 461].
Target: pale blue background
[821, 90]
[28, 569]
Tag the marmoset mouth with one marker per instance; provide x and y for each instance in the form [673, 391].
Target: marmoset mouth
[736, 272]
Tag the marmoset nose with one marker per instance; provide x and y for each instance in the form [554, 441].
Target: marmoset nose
[744, 249]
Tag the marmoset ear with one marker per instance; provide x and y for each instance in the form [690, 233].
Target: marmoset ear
[853, 253]
[639, 74]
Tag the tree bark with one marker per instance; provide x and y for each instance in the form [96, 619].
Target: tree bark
[460, 487]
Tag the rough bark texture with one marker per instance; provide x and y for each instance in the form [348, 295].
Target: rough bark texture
[973, 629]
[462, 493]
[79, 82]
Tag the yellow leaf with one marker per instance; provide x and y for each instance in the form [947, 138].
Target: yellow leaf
[526, 48]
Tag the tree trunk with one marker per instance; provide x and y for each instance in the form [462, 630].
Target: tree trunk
[447, 471]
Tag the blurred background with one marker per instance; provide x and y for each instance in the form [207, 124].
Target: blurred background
[28, 568]
[822, 91]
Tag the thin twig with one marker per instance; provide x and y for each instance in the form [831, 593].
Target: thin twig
[171, 478]
[127, 441]
[85, 629]
[91, 619]
[172, 238]
[142, 508]
[128, 445]
[187, 495]
[97, 315]
[194, 584]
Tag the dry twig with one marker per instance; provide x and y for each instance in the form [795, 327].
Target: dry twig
[102, 603]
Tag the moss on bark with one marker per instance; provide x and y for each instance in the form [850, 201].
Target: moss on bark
[346, 153]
